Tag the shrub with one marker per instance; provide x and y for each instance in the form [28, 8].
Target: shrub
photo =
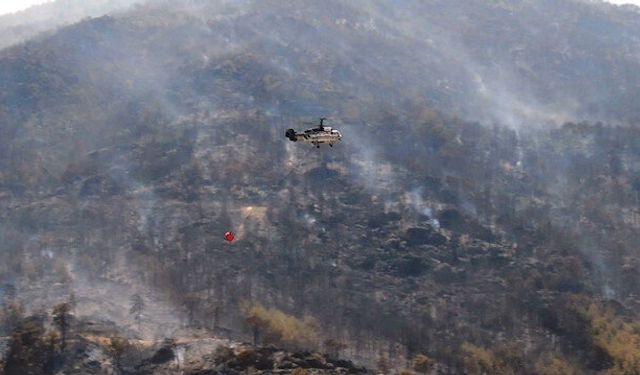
[505, 359]
[618, 337]
[422, 363]
[553, 364]
[279, 328]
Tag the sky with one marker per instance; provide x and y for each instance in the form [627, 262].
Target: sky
[10, 6]
[635, 2]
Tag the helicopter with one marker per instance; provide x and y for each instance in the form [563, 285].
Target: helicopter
[316, 136]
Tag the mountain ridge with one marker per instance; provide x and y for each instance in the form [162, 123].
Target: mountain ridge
[131, 143]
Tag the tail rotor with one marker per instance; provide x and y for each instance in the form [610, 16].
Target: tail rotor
[291, 134]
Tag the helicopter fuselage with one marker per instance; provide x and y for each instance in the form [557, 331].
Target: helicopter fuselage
[316, 136]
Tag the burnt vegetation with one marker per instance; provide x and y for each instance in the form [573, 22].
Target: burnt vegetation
[426, 240]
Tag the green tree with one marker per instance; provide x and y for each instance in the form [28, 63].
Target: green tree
[10, 316]
[27, 353]
[73, 303]
[118, 345]
[137, 308]
[191, 301]
[51, 339]
[383, 364]
[333, 348]
[62, 320]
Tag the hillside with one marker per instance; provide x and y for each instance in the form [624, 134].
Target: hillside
[93, 347]
[482, 208]
[43, 19]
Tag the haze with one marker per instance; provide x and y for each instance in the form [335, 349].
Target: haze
[481, 214]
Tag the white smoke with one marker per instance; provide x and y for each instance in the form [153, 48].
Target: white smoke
[417, 203]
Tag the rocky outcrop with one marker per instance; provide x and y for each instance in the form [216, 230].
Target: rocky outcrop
[104, 350]
[270, 360]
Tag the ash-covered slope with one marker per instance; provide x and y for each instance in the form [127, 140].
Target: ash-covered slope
[130, 144]
[521, 63]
